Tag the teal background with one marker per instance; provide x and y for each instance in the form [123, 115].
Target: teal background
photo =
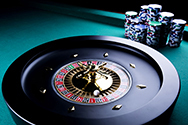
[24, 28]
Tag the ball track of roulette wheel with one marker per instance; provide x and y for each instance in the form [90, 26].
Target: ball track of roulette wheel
[91, 80]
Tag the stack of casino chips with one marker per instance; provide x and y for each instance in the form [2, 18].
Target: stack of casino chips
[176, 33]
[131, 33]
[153, 11]
[129, 16]
[166, 19]
[140, 33]
[133, 29]
[143, 15]
[152, 27]
[153, 34]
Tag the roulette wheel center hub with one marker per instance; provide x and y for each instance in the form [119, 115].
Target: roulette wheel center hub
[93, 74]
[92, 82]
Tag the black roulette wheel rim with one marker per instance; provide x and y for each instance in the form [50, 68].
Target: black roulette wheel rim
[22, 106]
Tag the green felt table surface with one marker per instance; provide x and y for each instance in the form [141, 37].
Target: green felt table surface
[24, 28]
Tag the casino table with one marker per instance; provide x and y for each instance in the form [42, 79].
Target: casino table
[25, 27]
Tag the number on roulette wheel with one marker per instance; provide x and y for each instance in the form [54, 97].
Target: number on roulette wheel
[91, 80]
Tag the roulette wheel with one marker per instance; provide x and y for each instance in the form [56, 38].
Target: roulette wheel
[91, 80]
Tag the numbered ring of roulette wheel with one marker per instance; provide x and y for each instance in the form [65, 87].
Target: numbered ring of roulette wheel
[91, 80]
